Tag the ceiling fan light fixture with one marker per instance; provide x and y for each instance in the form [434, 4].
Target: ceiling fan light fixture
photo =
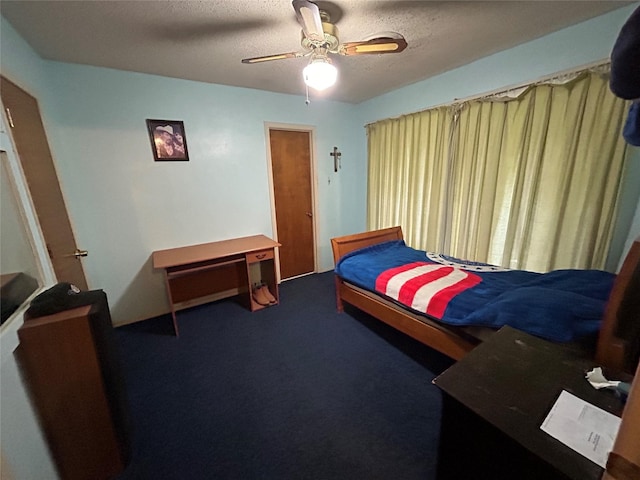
[320, 74]
[320, 40]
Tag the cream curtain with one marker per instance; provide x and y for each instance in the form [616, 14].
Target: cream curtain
[407, 176]
[530, 182]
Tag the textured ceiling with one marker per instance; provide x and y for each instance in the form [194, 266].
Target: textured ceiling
[205, 41]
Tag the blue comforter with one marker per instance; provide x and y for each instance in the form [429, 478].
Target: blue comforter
[561, 305]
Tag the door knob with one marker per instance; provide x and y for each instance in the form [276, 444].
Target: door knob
[309, 214]
[78, 253]
[10, 118]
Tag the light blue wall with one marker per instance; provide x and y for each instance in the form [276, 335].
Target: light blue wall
[581, 44]
[19, 62]
[123, 205]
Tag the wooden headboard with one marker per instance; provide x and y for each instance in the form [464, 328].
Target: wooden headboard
[343, 245]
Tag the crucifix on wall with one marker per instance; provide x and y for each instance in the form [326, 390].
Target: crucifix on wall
[336, 158]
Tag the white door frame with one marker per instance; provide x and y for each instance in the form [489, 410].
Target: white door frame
[314, 183]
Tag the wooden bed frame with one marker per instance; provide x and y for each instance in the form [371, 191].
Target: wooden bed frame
[612, 351]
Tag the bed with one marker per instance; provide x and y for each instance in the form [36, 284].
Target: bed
[615, 343]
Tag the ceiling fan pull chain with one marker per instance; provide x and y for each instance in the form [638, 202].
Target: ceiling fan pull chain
[307, 101]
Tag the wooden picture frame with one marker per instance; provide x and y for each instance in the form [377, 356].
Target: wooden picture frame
[168, 140]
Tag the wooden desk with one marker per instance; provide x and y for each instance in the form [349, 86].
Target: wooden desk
[495, 400]
[203, 273]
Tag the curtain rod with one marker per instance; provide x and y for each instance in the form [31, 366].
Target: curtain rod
[499, 91]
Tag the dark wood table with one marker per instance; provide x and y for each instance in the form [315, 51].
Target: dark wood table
[495, 400]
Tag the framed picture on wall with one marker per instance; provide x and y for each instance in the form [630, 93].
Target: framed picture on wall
[168, 140]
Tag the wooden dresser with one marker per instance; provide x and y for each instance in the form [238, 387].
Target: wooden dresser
[70, 365]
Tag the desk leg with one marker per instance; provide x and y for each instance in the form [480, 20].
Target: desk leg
[173, 308]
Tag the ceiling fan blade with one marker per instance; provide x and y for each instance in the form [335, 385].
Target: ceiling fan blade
[376, 45]
[268, 58]
[308, 15]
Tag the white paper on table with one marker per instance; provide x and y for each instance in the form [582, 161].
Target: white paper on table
[583, 427]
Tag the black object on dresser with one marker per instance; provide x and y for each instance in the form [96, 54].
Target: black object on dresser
[495, 400]
[70, 364]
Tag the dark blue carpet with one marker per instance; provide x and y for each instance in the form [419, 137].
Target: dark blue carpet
[295, 391]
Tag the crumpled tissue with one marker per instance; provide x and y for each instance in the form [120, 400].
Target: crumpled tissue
[597, 379]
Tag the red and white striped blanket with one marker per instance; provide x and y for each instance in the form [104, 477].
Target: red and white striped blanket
[426, 287]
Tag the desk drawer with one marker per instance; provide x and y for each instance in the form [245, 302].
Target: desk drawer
[254, 257]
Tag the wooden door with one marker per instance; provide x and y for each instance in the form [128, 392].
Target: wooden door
[33, 150]
[291, 168]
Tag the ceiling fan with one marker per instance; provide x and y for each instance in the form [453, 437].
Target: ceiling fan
[320, 38]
